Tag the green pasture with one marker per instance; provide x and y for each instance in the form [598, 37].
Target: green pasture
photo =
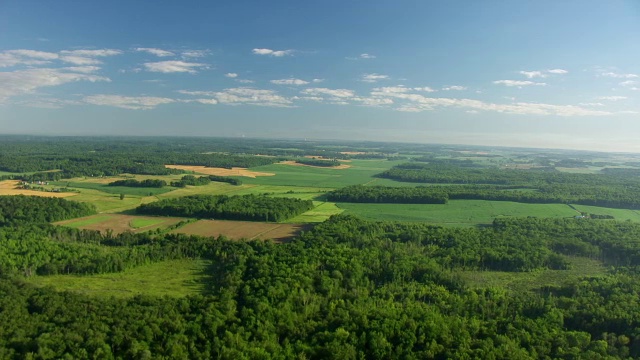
[172, 278]
[456, 212]
[360, 172]
[87, 221]
[144, 222]
[618, 214]
[535, 280]
[114, 189]
[321, 212]
[110, 203]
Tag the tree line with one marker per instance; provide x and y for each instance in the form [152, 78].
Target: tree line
[147, 183]
[245, 207]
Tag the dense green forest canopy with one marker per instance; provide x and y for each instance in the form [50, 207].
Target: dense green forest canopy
[35, 209]
[246, 207]
[347, 289]
[152, 183]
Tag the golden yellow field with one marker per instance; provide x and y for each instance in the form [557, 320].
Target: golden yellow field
[10, 187]
[220, 171]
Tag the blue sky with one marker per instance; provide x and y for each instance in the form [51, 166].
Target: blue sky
[561, 74]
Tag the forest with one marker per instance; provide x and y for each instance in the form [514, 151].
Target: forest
[246, 207]
[148, 183]
[347, 289]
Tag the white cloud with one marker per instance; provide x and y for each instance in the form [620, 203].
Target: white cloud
[417, 103]
[373, 101]
[371, 78]
[80, 60]
[612, 98]
[518, 83]
[91, 53]
[245, 81]
[454, 88]
[276, 53]
[619, 76]
[195, 53]
[243, 95]
[392, 89]
[174, 66]
[367, 56]
[33, 54]
[23, 82]
[127, 102]
[425, 89]
[289, 82]
[532, 74]
[156, 52]
[591, 104]
[231, 75]
[82, 69]
[542, 73]
[317, 80]
[628, 83]
[338, 93]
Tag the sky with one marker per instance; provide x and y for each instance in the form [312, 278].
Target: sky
[544, 73]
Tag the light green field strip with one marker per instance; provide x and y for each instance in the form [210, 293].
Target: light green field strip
[140, 223]
[172, 278]
[530, 281]
[320, 213]
[456, 212]
[618, 214]
[87, 221]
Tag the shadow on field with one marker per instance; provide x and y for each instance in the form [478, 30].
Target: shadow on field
[209, 279]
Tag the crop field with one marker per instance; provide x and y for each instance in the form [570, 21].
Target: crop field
[339, 167]
[167, 278]
[9, 187]
[237, 230]
[236, 171]
[360, 172]
[456, 212]
[321, 212]
[120, 223]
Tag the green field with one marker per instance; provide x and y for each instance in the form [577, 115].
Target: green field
[618, 214]
[321, 212]
[171, 278]
[114, 189]
[530, 281]
[456, 212]
[88, 221]
[360, 172]
[144, 222]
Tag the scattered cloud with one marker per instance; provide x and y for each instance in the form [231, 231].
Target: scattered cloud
[289, 82]
[33, 54]
[367, 56]
[317, 80]
[80, 60]
[245, 81]
[542, 73]
[127, 102]
[23, 82]
[91, 53]
[619, 76]
[276, 53]
[338, 93]
[174, 66]
[591, 104]
[83, 69]
[612, 98]
[242, 95]
[371, 78]
[454, 88]
[518, 83]
[156, 52]
[195, 53]
[231, 75]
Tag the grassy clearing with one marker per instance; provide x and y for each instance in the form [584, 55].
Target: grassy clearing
[618, 214]
[321, 212]
[531, 281]
[119, 223]
[456, 212]
[238, 230]
[172, 278]
[144, 222]
[91, 220]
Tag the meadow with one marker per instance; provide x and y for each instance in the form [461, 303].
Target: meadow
[456, 212]
[119, 223]
[175, 278]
